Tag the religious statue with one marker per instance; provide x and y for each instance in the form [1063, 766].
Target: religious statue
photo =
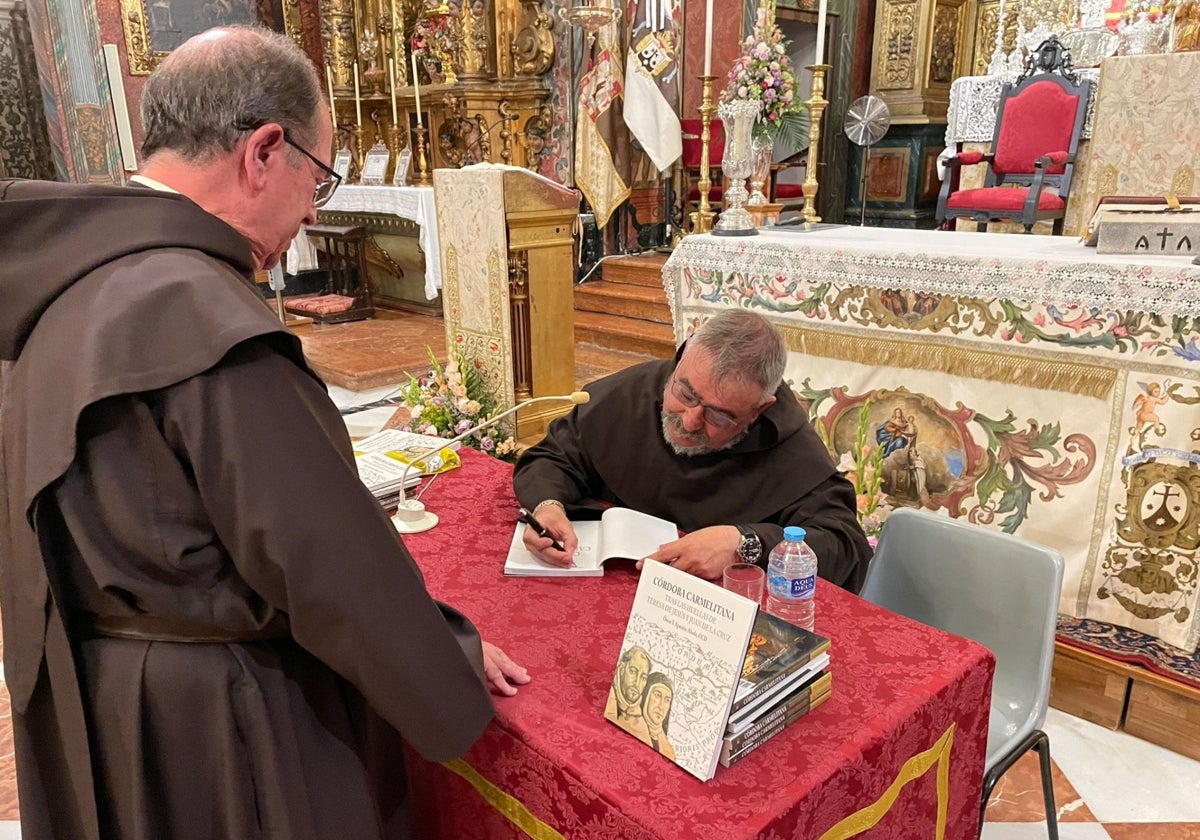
[1185, 33]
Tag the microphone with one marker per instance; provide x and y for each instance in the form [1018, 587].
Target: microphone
[411, 517]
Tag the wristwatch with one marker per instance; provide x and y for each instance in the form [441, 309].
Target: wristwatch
[749, 550]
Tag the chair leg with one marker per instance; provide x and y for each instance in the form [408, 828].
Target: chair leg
[1042, 745]
[1037, 740]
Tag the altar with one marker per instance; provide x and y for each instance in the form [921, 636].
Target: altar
[1044, 390]
[392, 215]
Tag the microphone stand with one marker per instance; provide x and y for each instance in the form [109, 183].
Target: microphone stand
[411, 517]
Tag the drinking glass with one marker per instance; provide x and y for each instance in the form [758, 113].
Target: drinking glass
[747, 580]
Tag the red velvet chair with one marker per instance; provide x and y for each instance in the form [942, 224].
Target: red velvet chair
[691, 159]
[1037, 137]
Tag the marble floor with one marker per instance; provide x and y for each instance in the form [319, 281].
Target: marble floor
[1107, 785]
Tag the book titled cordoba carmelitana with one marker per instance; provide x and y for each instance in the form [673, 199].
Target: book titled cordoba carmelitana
[679, 667]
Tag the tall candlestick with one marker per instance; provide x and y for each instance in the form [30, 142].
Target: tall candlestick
[332, 109]
[416, 87]
[357, 98]
[708, 26]
[822, 11]
[392, 79]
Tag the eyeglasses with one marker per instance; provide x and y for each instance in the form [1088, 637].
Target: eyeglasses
[717, 417]
[327, 187]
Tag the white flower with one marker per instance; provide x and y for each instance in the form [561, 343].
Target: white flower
[846, 464]
[416, 412]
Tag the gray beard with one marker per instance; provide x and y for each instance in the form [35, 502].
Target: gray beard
[671, 422]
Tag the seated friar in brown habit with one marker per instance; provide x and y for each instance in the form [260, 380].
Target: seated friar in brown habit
[712, 440]
[211, 628]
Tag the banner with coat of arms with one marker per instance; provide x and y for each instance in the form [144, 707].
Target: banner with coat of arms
[600, 159]
[652, 79]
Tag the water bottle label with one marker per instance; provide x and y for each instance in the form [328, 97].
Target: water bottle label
[781, 586]
[804, 587]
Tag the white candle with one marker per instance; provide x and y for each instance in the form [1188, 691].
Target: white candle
[708, 16]
[332, 109]
[357, 99]
[821, 12]
[416, 87]
[392, 78]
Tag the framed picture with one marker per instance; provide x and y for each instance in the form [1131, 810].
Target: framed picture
[400, 176]
[155, 27]
[341, 164]
[375, 164]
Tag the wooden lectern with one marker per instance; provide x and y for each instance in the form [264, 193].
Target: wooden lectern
[507, 248]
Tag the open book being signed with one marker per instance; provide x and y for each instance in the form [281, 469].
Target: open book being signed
[620, 533]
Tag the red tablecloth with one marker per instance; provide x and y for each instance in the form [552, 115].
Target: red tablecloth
[903, 696]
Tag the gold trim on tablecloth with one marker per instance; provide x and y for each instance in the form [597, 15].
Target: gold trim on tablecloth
[1067, 377]
[509, 806]
[914, 768]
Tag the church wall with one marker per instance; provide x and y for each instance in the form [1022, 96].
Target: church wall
[24, 143]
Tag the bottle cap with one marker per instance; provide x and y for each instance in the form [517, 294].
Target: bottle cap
[794, 533]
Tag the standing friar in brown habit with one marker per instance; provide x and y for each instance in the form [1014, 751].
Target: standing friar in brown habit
[211, 628]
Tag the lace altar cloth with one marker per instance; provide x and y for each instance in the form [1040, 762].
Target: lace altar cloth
[412, 203]
[971, 116]
[1054, 269]
[551, 759]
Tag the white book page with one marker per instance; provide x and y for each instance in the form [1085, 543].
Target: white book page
[632, 535]
[378, 471]
[587, 557]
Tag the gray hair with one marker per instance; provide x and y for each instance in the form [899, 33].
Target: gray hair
[224, 76]
[742, 347]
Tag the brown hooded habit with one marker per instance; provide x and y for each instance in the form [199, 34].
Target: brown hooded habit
[612, 451]
[204, 609]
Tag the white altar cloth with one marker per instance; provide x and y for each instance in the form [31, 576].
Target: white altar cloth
[1030, 268]
[413, 203]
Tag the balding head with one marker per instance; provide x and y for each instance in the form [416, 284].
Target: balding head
[741, 347]
[224, 77]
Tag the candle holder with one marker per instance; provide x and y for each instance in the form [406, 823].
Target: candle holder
[816, 107]
[423, 178]
[359, 151]
[702, 218]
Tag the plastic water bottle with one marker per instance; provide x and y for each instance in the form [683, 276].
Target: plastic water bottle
[792, 579]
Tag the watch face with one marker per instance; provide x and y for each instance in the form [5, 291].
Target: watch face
[750, 548]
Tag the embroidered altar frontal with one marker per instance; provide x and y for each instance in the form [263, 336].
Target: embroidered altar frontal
[1023, 384]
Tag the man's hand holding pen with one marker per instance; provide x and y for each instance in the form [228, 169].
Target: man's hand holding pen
[549, 535]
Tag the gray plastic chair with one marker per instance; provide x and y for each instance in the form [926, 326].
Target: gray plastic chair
[996, 589]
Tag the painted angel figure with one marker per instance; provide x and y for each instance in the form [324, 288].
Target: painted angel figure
[1145, 407]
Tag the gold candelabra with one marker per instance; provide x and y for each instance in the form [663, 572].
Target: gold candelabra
[816, 107]
[423, 178]
[702, 219]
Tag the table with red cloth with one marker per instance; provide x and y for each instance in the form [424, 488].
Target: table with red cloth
[901, 738]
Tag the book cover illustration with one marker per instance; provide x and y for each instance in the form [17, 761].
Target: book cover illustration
[679, 665]
[776, 649]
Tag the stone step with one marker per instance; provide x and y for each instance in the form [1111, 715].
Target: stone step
[628, 334]
[627, 300]
[635, 269]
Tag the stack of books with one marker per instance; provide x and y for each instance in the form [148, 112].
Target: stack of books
[383, 462]
[785, 675]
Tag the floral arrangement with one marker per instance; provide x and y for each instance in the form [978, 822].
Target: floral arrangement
[449, 401]
[764, 72]
[864, 468]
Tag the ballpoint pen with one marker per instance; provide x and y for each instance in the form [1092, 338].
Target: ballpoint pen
[538, 528]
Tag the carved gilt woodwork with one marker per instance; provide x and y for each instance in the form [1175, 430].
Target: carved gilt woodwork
[921, 46]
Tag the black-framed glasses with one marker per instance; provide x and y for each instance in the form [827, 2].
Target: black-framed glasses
[327, 187]
[717, 417]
